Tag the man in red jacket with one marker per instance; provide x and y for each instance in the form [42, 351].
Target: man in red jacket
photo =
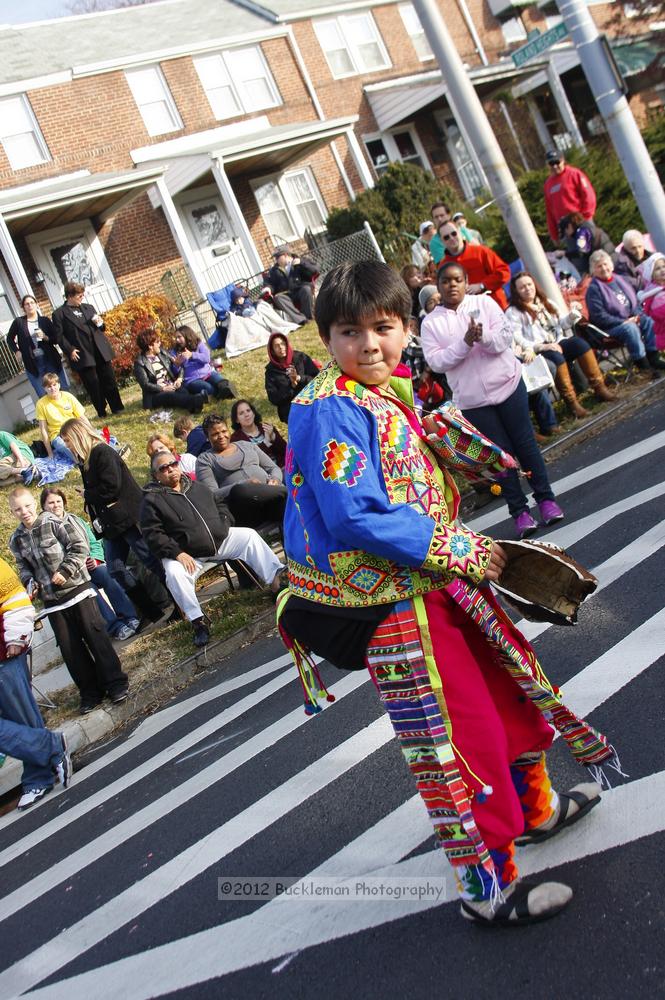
[567, 189]
[487, 272]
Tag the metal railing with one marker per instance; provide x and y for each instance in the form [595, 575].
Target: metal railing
[10, 366]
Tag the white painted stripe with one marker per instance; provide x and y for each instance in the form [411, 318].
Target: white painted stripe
[376, 846]
[176, 797]
[172, 713]
[286, 924]
[616, 461]
[609, 572]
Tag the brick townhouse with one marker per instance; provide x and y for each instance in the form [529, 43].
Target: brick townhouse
[199, 133]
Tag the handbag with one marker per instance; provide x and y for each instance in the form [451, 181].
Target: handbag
[537, 375]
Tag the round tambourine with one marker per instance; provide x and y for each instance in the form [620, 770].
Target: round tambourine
[543, 582]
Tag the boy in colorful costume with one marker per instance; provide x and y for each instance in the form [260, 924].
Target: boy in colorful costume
[382, 575]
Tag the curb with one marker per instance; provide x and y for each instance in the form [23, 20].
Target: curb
[88, 729]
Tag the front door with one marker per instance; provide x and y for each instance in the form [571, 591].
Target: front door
[220, 254]
[74, 253]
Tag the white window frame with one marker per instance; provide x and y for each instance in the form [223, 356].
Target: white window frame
[227, 76]
[38, 242]
[296, 220]
[132, 77]
[514, 31]
[392, 149]
[7, 293]
[344, 25]
[415, 31]
[31, 121]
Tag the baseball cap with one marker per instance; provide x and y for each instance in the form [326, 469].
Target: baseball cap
[553, 156]
[424, 226]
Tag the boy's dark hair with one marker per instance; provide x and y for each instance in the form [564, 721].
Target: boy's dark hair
[446, 267]
[352, 291]
[440, 204]
[210, 421]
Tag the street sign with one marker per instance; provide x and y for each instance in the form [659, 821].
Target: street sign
[539, 44]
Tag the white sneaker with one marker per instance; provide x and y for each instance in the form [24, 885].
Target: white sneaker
[29, 798]
[124, 632]
[63, 768]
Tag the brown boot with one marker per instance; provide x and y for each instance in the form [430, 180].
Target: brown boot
[567, 390]
[589, 366]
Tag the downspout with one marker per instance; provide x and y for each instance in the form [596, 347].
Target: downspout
[297, 55]
[471, 28]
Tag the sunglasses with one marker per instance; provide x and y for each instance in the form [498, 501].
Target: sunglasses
[554, 163]
[168, 465]
[450, 236]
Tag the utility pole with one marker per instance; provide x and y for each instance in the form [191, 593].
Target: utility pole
[621, 125]
[468, 110]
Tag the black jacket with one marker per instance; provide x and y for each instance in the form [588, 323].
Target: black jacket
[112, 495]
[80, 333]
[279, 390]
[18, 339]
[144, 374]
[191, 520]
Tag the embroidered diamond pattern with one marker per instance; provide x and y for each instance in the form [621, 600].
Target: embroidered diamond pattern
[365, 579]
[343, 463]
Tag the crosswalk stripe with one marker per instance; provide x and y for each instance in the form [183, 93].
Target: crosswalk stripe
[583, 476]
[627, 813]
[607, 675]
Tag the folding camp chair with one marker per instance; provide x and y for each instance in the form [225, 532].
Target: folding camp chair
[606, 346]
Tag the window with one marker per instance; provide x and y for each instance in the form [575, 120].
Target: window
[513, 31]
[414, 30]
[20, 135]
[153, 99]
[351, 44]
[237, 82]
[400, 145]
[290, 204]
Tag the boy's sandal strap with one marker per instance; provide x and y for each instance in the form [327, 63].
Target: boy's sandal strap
[566, 818]
[514, 912]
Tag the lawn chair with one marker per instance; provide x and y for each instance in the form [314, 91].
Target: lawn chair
[607, 348]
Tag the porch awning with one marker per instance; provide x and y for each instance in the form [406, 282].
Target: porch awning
[394, 101]
[60, 200]
[261, 149]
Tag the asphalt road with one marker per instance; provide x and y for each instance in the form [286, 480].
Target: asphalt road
[110, 889]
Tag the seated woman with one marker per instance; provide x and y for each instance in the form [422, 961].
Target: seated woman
[470, 339]
[248, 426]
[160, 383]
[580, 237]
[192, 359]
[241, 474]
[52, 411]
[287, 372]
[118, 611]
[162, 442]
[538, 328]
[32, 339]
[261, 312]
[613, 306]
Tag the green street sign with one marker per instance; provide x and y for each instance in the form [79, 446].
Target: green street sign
[539, 44]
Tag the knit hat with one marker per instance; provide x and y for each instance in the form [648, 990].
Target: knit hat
[424, 226]
[425, 294]
[647, 267]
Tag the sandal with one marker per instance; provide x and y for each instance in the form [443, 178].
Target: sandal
[566, 818]
[514, 912]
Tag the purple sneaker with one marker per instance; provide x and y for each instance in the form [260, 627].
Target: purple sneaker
[525, 524]
[550, 511]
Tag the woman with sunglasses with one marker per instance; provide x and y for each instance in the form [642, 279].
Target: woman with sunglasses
[538, 328]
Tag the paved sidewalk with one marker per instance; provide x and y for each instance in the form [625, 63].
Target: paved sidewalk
[89, 729]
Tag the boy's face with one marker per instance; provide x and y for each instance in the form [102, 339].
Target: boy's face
[24, 508]
[369, 351]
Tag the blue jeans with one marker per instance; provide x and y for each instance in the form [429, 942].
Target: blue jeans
[210, 385]
[36, 380]
[117, 550]
[122, 611]
[637, 338]
[22, 731]
[60, 450]
[508, 424]
[543, 411]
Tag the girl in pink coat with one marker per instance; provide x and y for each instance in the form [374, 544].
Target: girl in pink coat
[653, 295]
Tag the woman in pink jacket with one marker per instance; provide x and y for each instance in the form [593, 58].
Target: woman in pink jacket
[469, 338]
[652, 296]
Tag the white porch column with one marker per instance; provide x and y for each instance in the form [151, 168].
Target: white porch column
[359, 160]
[563, 104]
[538, 120]
[234, 210]
[179, 235]
[13, 261]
